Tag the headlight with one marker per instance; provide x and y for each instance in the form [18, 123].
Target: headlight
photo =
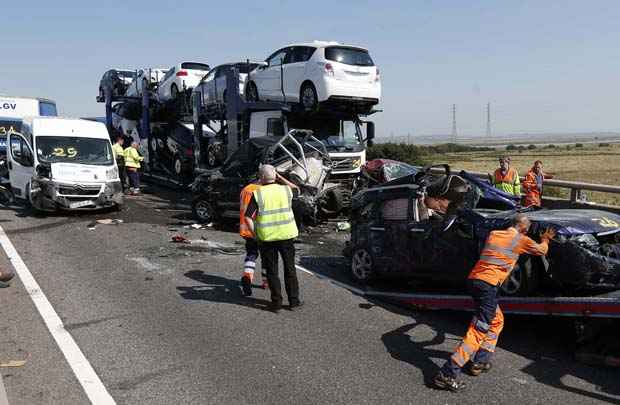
[112, 174]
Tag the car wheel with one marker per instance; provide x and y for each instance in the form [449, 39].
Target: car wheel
[174, 92]
[251, 92]
[203, 210]
[523, 279]
[362, 265]
[308, 98]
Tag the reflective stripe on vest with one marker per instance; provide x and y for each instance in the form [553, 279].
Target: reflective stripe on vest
[275, 220]
[507, 257]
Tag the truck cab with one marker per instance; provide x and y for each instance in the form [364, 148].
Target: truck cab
[344, 137]
[62, 163]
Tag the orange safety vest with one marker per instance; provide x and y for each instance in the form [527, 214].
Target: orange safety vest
[509, 178]
[246, 197]
[499, 256]
[532, 191]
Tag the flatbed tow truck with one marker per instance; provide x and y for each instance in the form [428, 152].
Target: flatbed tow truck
[596, 318]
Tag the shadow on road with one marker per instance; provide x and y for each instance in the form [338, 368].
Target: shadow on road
[218, 289]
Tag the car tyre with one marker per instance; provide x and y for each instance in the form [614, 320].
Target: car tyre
[251, 92]
[362, 265]
[203, 210]
[308, 97]
[523, 280]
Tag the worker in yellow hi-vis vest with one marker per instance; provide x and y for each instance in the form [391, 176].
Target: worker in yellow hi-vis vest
[270, 217]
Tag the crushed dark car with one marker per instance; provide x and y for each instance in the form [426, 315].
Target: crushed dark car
[295, 156]
[431, 228]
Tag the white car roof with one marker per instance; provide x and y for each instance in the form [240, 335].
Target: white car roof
[61, 126]
[323, 44]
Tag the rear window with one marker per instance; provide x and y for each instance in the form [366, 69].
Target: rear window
[47, 109]
[194, 66]
[246, 67]
[348, 56]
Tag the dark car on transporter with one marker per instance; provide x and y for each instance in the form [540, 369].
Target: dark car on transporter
[430, 228]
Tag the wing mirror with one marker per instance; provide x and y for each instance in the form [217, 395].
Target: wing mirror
[370, 133]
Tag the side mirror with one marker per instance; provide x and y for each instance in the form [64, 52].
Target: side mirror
[370, 133]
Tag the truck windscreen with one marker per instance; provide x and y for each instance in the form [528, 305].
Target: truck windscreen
[66, 149]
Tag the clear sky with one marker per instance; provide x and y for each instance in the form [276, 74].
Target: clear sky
[545, 66]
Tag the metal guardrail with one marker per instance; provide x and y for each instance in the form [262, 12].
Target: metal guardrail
[576, 187]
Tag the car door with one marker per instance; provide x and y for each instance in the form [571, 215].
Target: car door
[20, 161]
[269, 76]
[441, 248]
[395, 216]
[294, 70]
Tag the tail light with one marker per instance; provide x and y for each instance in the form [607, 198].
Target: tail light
[329, 69]
[182, 73]
[377, 76]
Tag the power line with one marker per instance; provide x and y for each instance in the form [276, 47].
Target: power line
[488, 121]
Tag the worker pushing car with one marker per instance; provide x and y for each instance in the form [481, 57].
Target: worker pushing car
[533, 185]
[506, 178]
[497, 259]
[251, 245]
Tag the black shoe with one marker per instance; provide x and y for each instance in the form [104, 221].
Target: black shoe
[273, 307]
[296, 306]
[444, 382]
[476, 369]
[246, 286]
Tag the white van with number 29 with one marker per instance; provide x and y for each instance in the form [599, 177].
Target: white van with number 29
[63, 163]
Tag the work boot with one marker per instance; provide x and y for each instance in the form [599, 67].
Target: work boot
[444, 382]
[274, 307]
[246, 286]
[476, 369]
[296, 306]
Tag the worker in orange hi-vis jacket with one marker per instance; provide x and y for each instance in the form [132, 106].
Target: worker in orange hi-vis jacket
[497, 260]
[533, 185]
[251, 246]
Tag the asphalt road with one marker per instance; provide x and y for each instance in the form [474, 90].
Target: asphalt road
[165, 323]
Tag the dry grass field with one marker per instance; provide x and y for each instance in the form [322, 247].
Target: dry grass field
[590, 163]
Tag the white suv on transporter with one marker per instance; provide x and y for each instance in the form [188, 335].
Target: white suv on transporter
[317, 72]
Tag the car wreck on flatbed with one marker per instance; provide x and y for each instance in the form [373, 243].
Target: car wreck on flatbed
[430, 227]
[298, 156]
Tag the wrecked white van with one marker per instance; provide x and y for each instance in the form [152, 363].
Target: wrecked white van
[63, 163]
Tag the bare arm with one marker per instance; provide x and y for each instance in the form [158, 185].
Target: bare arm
[282, 180]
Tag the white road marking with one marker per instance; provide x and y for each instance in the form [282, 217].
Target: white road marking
[3, 398]
[84, 372]
[355, 290]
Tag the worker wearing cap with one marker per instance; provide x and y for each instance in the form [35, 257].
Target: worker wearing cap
[533, 185]
[506, 178]
[270, 216]
[497, 259]
[132, 164]
[119, 156]
[251, 245]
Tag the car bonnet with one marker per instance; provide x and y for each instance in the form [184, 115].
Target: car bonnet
[577, 221]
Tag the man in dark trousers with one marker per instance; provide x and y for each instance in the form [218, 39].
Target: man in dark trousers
[275, 229]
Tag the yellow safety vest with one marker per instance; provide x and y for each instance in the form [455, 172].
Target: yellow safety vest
[132, 158]
[275, 220]
[118, 151]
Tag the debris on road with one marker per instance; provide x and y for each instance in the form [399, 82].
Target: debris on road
[108, 221]
[180, 239]
[212, 247]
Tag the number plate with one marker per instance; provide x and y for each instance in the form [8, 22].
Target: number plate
[80, 204]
